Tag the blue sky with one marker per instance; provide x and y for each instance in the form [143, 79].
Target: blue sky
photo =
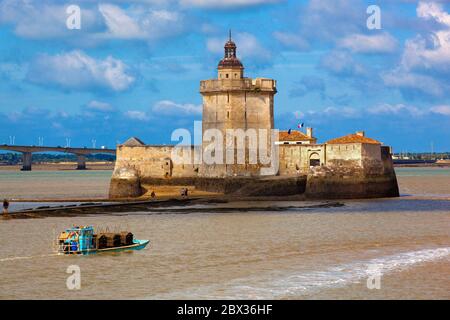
[133, 69]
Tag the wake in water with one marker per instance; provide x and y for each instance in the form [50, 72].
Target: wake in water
[276, 286]
[27, 257]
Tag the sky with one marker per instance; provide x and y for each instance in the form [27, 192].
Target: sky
[133, 67]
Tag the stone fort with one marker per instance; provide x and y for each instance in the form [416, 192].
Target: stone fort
[352, 166]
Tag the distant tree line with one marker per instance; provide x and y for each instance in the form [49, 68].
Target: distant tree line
[15, 158]
[423, 155]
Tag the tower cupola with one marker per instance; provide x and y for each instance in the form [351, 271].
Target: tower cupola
[230, 67]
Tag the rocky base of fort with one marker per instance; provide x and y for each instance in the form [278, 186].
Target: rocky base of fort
[125, 183]
[320, 183]
[350, 183]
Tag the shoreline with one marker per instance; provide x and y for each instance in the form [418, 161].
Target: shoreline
[181, 206]
[178, 205]
[60, 166]
[422, 165]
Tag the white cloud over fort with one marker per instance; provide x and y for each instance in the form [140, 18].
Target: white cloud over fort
[77, 70]
[361, 43]
[167, 107]
[140, 22]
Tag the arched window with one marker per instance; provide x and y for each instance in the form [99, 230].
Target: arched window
[314, 159]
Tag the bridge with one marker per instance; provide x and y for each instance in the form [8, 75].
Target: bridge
[81, 153]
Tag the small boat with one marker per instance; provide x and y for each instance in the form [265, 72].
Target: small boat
[83, 240]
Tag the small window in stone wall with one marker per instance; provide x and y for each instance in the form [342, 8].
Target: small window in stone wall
[226, 75]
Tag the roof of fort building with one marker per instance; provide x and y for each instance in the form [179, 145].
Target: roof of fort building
[133, 142]
[353, 138]
[295, 135]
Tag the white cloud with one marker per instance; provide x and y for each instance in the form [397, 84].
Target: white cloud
[402, 79]
[76, 70]
[382, 110]
[328, 20]
[140, 22]
[361, 43]
[341, 63]
[329, 112]
[225, 4]
[168, 107]
[119, 24]
[136, 115]
[43, 20]
[433, 10]
[430, 52]
[442, 110]
[137, 20]
[396, 109]
[99, 106]
[291, 40]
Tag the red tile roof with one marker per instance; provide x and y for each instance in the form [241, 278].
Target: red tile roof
[353, 138]
[294, 136]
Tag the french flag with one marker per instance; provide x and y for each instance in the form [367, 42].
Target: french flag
[300, 125]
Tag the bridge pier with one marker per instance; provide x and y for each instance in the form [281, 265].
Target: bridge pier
[26, 161]
[81, 162]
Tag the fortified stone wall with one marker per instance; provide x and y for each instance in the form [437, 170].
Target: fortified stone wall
[135, 165]
[363, 171]
[153, 161]
[374, 178]
[296, 159]
[344, 154]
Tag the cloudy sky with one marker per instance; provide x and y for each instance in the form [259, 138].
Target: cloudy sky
[133, 69]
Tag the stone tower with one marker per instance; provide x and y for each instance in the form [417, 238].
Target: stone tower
[233, 101]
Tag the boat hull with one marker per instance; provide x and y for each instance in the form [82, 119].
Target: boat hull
[137, 245]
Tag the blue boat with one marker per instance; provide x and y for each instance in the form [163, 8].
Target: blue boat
[83, 240]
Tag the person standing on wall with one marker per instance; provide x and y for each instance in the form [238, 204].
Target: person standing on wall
[5, 207]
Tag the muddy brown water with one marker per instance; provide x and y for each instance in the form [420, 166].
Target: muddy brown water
[293, 253]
